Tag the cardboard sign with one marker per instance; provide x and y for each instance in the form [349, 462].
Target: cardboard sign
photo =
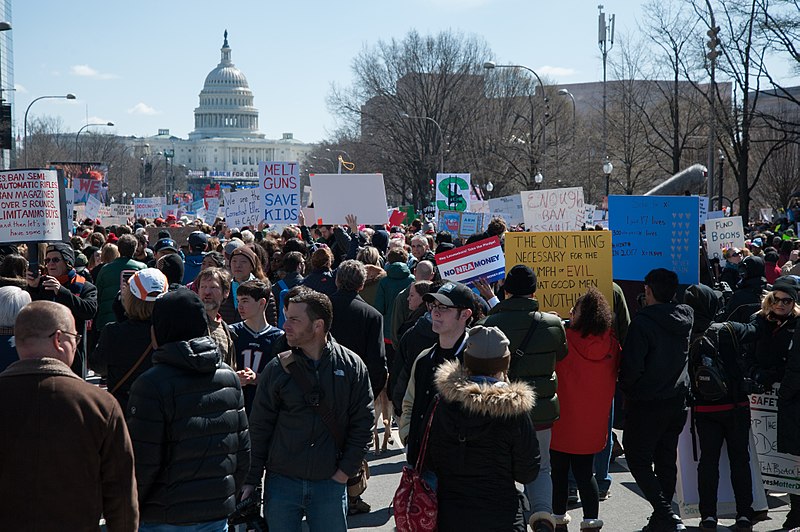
[337, 195]
[243, 208]
[724, 233]
[559, 209]
[655, 232]
[452, 192]
[781, 472]
[149, 208]
[566, 264]
[30, 206]
[411, 214]
[93, 207]
[280, 187]
[468, 263]
[509, 207]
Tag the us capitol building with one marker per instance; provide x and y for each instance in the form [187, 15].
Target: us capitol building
[226, 144]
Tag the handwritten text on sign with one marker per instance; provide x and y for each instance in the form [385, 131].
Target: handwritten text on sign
[29, 206]
[724, 233]
[560, 209]
[566, 264]
[468, 263]
[243, 208]
[781, 472]
[150, 208]
[280, 186]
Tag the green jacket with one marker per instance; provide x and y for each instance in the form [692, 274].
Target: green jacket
[547, 345]
[108, 282]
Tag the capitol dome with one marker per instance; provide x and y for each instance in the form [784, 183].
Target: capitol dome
[226, 103]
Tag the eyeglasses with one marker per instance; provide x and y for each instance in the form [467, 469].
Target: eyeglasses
[74, 335]
[783, 300]
[435, 307]
[54, 260]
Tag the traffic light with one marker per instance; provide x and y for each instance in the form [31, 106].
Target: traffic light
[713, 43]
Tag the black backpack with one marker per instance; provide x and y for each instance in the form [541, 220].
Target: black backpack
[710, 380]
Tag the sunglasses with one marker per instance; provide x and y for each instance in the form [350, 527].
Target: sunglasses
[783, 300]
[54, 260]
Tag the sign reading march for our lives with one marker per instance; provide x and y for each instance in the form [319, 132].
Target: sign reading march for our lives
[468, 263]
[280, 187]
[655, 232]
[559, 209]
[566, 263]
[452, 192]
[30, 206]
[150, 208]
[724, 233]
[243, 208]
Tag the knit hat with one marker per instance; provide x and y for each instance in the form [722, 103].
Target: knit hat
[520, 281]
[486, 352]
[148, 284]
[112, 238]
[179, 316]
[452, 294]
[788, 284]
[66, 251]
[247, 252]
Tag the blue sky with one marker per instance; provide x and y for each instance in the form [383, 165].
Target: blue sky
[142, 64]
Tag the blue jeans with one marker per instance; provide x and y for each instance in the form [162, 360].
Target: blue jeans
[211, 526]
[323, 502]
[540, 491]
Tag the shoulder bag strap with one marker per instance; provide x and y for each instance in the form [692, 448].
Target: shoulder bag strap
[424, 447]
[289, 362]
[520, 350]
[138, 363]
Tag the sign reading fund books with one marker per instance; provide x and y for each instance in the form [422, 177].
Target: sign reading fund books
[566, 264]
[31, 206]
[724, 233]
[559, 209]
[469, 263]
[655, 232]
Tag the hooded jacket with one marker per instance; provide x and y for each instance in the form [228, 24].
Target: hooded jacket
[192, 265]
[417, 339]
[108, 282]
[188, 425]
[482, 441]
[587, 377]
[374, 276]
[397, 277]
[656, 352]
[746, 297]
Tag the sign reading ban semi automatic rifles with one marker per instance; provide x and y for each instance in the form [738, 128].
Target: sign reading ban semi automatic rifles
[30, 206]
[566, 263]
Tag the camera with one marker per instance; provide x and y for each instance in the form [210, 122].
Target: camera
[248, 512]
[751, 386]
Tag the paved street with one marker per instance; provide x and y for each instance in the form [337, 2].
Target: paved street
[625, 511]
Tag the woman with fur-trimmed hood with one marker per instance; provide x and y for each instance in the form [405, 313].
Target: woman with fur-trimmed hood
[482, 439]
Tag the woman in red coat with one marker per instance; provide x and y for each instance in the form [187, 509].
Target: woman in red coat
[586, 380]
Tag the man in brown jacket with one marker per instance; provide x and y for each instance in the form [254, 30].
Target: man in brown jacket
[65, 455]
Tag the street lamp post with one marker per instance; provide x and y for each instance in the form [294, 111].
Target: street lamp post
[441, 136]
[607, 169]
[721, 175]
[69, 96]
[77, 146]
[538, 178]
[605, 40]
[565, 92]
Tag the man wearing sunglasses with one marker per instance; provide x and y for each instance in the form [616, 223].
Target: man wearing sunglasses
[62, 284]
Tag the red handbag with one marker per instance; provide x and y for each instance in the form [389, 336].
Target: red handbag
[415, 506]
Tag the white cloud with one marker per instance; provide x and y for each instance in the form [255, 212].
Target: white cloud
[88, 72]
[142, 108]
[555, 71]
[20, 89]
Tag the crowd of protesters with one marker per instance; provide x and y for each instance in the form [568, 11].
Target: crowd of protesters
[247, 363]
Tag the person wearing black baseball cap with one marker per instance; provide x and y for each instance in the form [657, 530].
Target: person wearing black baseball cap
[193, 262]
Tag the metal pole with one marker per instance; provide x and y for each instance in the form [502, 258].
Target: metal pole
[25, 121]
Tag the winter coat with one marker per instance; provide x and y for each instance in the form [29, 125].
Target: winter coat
[192, 264]
[482, 441]
[323, 281]
[65, 455]
[289, 436]
[656, 352]
[546, 346]
[747, 295]
[417, 339]
[291, 280]
[359, 327]
[8, 348]
[789, 402]
[189, 430]
[108, 281]
[397, 277]
[121, 345]
[587, 377]
[374, 276]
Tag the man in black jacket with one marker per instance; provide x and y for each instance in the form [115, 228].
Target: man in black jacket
[308, 455]
[187, 422]
[655, 380]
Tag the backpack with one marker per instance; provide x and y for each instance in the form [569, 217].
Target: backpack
[284, 290]
[710, 380]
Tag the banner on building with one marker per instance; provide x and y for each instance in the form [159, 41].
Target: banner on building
[471, 262]
[280, 187]
[559, 209]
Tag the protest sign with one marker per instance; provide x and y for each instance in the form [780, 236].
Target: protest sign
[461, 224]
[150, 208]
[69, 197]
[172, 210]
[560, 209]
[589, 214]
[449, 221]
[766, 214]
[468, 263]
[509, 207]
[655, 232]
[723, 233]
[566, 263]
[92, 207]
[713, 215]
[452, 192]
[703, 209]
[88, 187]
[481, 206]
[244, 208]
[31, 206]
[280, 188]
[411, 214]
[781, 472]
[337, 195]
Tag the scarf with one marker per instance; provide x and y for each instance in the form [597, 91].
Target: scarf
[73, 281]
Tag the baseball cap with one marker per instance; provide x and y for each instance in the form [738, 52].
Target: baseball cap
[198, 240]
[148, 284]
[165, 243]
[452, 294]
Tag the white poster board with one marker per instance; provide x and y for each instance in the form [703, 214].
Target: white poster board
[452, 192]
[703, 209]
[509, 207]
[30, 206]
[589, 213]
[723, 233]
[337, 195]
[558, 209]
[280, 187]
[243, 208]
[780, 472]
[93, 207]
[149, 208]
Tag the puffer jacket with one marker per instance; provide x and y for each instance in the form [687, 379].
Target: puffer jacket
[548, 344]
[189, 431]
[397, 277]
[482, 441]
[289, 436]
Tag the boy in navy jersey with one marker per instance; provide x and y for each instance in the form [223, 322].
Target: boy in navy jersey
[253, 338]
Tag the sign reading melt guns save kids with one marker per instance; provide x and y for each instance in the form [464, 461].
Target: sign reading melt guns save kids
[566, 263]
[280, 189]
[30, 206]
[559, 209]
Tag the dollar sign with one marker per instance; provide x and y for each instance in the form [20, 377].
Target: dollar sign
[450, 189]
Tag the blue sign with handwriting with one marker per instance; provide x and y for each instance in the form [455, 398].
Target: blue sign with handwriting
[649, 232]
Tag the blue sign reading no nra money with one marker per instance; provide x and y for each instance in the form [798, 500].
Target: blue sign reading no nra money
[651, 232]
